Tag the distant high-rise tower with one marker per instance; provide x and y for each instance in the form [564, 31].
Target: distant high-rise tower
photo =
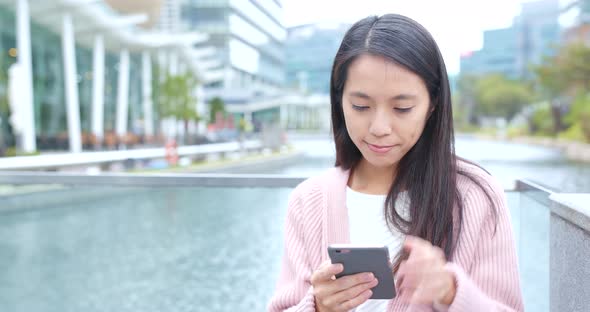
[511, 51]
[538, 30]
[310, 52]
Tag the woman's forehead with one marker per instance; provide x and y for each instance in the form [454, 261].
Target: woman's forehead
[369, 73]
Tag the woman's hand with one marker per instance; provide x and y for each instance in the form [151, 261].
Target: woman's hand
[342, 294]
[422, 278]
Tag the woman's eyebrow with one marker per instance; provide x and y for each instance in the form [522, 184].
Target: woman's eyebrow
[360, 95]
[404, 96]
[399, 97]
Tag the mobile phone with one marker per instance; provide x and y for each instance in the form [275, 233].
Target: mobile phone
[359, 259]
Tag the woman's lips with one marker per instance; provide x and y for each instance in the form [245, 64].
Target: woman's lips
[380, 149]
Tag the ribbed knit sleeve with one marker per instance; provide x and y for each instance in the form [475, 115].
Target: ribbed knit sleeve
[488, 280]
[484, 264]
[294, 291]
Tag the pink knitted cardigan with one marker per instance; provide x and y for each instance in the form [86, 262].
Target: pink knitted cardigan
[484, 263]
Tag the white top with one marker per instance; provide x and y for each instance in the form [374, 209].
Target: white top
[368, 227]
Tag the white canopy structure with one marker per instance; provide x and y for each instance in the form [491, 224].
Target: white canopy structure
[96, 25]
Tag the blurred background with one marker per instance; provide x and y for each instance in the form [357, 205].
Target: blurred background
[170, 88]
[116, 75]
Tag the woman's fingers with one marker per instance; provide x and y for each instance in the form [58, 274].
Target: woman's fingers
[344, 293]
[354, 291]
[356, 301]
[329, 288]
[325, 272]
[336, 299]
[346, 282]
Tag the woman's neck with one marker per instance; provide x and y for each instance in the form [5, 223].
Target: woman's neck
[369, 179]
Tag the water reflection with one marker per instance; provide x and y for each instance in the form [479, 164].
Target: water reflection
[506, 161]
[147, 250]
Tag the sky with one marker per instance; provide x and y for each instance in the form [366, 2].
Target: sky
[456, 25]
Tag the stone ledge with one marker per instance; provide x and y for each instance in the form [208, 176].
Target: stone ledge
[574, 208]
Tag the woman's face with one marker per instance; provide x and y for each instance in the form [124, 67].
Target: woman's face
[385, 109]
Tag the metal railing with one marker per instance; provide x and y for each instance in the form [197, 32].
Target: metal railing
[144, 180]
[51, 161]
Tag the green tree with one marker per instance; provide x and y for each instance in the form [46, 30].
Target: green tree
[552, 85]
[568, 72]
[5, 127]
[177, 99]
[576, 66]
[540, 121]
[156, 85]
[215, 105]
[465, 99]
[562, 77]
[579, 115]
[500, 97]
[3, 90]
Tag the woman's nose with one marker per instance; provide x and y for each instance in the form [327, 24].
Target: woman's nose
[381, 125]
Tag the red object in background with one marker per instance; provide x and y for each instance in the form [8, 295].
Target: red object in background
[229, 122]
[219, 120]
[172, 152]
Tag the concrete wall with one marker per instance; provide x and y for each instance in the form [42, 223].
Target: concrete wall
[570, 253]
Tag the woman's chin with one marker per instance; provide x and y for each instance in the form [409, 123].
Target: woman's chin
[379, 162]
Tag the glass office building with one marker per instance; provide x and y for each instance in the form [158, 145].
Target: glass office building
[249, 37]
[49, 104]
[538, 33]
[93, 72]
[310, 53]
[511, 51]
[499, 55]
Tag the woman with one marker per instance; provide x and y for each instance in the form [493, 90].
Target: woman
[398, 182]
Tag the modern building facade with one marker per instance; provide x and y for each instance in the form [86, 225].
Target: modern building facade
[498, 55]
[249, 36]
[76, 72]
[511, 51]
[310, 51]
[538, 33]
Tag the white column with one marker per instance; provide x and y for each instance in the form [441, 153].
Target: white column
[248, 116]
[315, 117]
[123, 94]
[98, 89]
[173, 63]
[201, 109]
[283, 113]
[163, 65]
[301, 117]
[146, 75]
[24, 59]
[71, 87]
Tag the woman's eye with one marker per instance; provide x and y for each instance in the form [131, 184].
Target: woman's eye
[403, 109]
[359, 107]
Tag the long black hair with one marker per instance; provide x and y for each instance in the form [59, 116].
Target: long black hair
[428, 172]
